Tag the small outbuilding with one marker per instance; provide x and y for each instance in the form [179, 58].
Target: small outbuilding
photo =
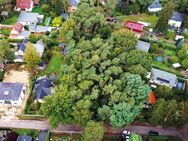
[144, 46]
[155, 7]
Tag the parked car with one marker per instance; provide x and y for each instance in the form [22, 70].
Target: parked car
[153, 133]
[125, 135]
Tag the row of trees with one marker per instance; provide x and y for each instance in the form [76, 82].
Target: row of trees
[97, 83]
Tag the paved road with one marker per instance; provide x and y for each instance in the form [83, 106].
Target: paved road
[62, 129]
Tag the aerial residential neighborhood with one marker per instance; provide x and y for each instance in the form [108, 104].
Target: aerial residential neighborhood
[93, 70]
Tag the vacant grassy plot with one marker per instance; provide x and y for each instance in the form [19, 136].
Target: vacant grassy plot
[55, 65]
[141, 17]
[169, 52]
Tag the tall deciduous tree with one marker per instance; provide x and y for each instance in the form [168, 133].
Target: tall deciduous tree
[124, 39]
[94, 131]
[58, 106]
[165, 15]
[31, 56]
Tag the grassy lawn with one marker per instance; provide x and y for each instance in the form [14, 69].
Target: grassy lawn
[55, 65]
[141, 17]
[37, 9]
[169, 52]
[10, 21]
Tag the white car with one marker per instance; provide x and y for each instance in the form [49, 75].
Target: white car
[126, 132]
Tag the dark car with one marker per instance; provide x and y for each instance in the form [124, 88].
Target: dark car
[153, 133]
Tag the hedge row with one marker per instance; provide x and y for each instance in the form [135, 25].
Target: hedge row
[160, 43]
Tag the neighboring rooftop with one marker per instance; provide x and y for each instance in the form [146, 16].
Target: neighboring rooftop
[28, 17]
[144, 46]
[24, 138]
[155, 4]
[23, 4]
[42, 87]
[164, 77]
[177, 16]
[10, 91]
[18, 27]
[74, 2]
[134, 25]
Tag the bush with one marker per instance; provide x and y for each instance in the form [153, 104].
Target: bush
[1, 75]
[6, 32]
[34, 38]
[185, 63]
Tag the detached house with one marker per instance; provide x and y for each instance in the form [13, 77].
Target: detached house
[22, 47]
[18, 32]
[137, 28]
[42, 88]
[163, 78]
[26, 5]
[12, 93]
[29, 18]
[176, 20]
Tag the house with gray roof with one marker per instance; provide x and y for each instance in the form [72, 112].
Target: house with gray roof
[29, 18]
[163, 78]
[155, 6]
[39, 29]
[24, 138]
[42, 88]
[39, 46]
[177, 19]
[11, 93]
[144, 46]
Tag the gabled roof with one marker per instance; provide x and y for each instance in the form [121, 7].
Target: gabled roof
[155, 4]
[28, 17]
[144, 46]
[177, 16]
[24, 138]
[23, 4]
[164, 77]
[134, 26]
[17, 27]
[42, 88]
[10, 91]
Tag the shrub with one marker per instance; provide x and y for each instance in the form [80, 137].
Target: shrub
[185, 63]
[1, 75]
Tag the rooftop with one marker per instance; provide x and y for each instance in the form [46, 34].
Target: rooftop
[144, 46]
[28, 17]
[10, 91]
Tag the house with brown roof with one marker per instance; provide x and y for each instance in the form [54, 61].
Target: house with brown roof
[26, 5]
[18, 32]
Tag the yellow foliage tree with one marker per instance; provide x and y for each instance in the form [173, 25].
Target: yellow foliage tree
[31, 56]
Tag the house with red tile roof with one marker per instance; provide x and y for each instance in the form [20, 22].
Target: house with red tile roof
[18, 32]
[26, 5]
[137, 28]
